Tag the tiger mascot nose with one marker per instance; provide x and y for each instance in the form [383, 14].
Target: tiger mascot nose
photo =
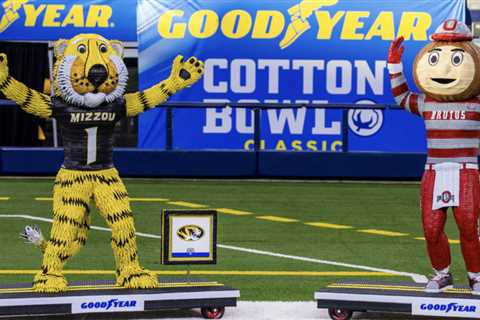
[97, 75]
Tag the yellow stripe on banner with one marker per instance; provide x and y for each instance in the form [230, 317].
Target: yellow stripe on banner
[383, 233]
[187, 204]
[328, 225]
[43, 199]
[4, 198]
[220, 272]
[449, 241]
[234, 212]
[276, 219]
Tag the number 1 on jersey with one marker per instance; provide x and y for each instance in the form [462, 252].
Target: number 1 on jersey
[91, 145]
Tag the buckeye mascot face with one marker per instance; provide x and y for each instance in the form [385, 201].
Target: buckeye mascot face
[448, 69]
[89, 70]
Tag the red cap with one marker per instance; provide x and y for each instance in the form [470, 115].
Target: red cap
[452, 30]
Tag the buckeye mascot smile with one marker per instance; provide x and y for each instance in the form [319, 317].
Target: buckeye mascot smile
[89, 81]
[447, 71]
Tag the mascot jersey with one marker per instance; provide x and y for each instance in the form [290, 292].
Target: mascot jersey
[88, 134]
[453, 128]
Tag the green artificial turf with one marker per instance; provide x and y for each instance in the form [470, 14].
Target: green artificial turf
[390, 207]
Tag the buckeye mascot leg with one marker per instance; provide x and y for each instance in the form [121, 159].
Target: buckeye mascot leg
[466, 216]
[71, 195]
[437, 242]
[112, 200]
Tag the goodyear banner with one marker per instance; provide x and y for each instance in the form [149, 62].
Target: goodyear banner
[286, 51]
[43, 20]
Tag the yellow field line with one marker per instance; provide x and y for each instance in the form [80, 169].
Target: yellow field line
[277, 219]
[328, 225]
[450, 241]
[219, 272]
[131, 199]
[4, 198]
[391, 288]
[110, 287]
[187, 204]
[43, 199]
[234, 212]
[383, 233]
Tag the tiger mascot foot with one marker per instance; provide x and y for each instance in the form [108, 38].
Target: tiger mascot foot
[137, 278]
[50, 282]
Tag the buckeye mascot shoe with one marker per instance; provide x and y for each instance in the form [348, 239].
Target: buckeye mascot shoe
[89, 98]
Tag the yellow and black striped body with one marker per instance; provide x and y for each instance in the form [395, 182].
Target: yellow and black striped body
[29, 100]
[142, 101]
[72, 194]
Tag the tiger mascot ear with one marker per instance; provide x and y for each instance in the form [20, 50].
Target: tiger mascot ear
[59, 47]
[118, 47]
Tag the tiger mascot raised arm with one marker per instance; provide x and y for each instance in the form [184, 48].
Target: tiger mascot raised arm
[90, 79]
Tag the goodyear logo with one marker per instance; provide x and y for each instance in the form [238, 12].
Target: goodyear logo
[190, 232]
[288, 27]
[447, 308]
[54, 15]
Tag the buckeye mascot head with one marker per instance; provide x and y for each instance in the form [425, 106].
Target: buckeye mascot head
[448, 68]
[89, 70]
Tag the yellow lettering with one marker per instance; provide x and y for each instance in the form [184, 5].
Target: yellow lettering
[297, 145]
[414, 25]
[352, 24]
[281, 145]
[167, 28]
[236, 24]
[324, 146]
[248, 144]
[382, 27]
[203, 24]
[32, 13]
[336, 146]
[51, 14]
[268, 24]
[99, 16]
[74, 16]
[312, 145]
[327, 23]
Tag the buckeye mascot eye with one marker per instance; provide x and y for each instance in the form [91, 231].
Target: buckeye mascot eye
[447, 72]
[90, 78]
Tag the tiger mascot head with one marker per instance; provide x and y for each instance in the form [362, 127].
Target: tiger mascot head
[89, 70]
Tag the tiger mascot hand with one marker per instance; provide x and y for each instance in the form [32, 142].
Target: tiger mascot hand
[3, 67]
[185, 73]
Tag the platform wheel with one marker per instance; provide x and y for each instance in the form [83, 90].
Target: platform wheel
[340, 314]
[213, 312]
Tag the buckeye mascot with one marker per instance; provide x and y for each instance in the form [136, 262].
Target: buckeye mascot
[89, 81]
[447, 71]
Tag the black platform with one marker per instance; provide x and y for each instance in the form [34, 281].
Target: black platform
[344, 297]
[94, 297]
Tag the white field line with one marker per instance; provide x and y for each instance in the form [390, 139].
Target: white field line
[415, 277]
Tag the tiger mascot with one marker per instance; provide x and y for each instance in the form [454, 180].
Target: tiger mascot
[90, 79]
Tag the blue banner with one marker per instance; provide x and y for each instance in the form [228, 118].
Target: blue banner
[48, 20]
[286, 51]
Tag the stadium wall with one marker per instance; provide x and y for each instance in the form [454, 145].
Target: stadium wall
[224, 164]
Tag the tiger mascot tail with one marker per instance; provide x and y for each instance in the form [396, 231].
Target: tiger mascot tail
[89, 98]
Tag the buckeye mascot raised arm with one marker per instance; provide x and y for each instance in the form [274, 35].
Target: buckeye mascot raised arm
[90, 78]
[447, 71]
